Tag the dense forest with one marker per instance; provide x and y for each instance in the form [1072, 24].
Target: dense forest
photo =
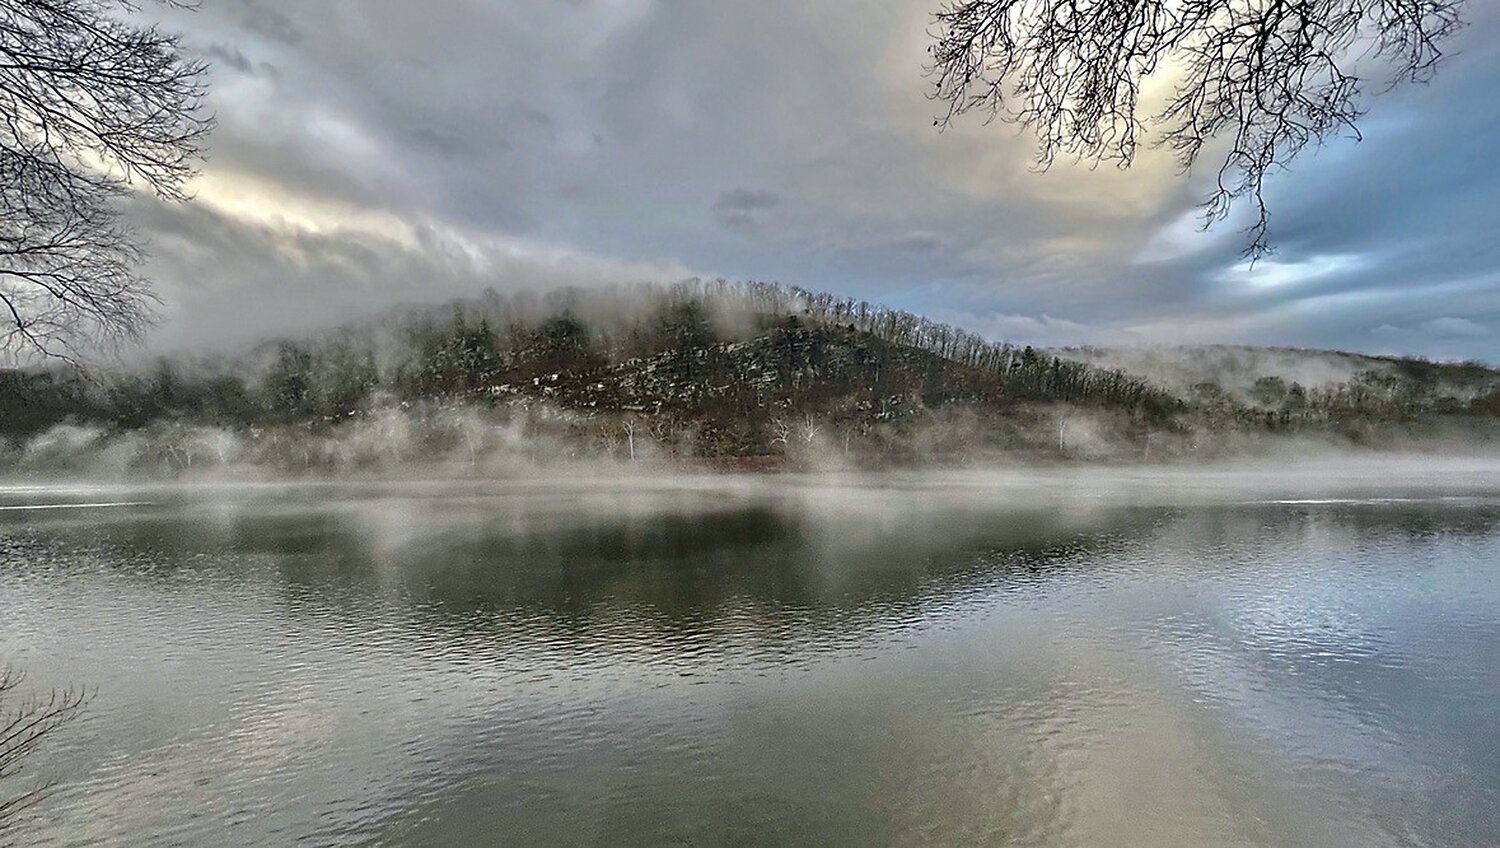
[738, 374]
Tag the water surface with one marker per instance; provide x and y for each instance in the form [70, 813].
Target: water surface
[801, 662]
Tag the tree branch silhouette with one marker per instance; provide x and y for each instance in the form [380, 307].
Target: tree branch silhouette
[1271, 77]
[23, 728]
[91, 105]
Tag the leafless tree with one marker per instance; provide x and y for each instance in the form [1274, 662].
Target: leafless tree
[781, 432]
[91, 104]
[608, 439]
[810, 429]
[23, 727]
[629, 428]
[1270, 76]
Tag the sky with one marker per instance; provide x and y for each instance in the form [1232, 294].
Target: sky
[374, 153]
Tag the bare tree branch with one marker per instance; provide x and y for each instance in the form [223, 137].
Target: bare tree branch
[23, 728]
[90, 104]
[1270, 76]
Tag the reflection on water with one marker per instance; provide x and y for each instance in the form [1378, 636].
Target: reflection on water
[791, 663]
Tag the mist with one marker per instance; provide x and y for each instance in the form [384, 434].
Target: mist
[640, 423]
[716, 376]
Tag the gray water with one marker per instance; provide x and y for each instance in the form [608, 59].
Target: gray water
[807, 661]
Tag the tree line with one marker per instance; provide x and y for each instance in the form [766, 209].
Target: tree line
[467, 349]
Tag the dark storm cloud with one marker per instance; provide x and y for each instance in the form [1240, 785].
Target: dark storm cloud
[782, 140]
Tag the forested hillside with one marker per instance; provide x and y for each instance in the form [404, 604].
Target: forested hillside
[740, 373]
[1261, 376]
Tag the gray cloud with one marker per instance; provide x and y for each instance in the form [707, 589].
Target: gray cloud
[238, 281]
[597, 131]
[920, 241]
[1449, 326]
[267, 20]
[231, 56]
[741, 208]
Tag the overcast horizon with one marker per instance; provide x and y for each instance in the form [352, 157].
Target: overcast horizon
[374, 154]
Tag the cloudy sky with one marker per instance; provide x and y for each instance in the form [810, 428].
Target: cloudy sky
[376, 152]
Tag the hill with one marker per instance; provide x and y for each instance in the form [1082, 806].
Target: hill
[751, 374]
[1244, 372]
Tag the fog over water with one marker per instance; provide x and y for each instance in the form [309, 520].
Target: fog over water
[639, 423]
[1042, 656]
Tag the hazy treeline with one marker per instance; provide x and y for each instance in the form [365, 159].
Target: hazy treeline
[1237, 368]
[533, 368]
[1288, 387]
[690, 371]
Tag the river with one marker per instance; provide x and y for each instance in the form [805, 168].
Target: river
[965, 659]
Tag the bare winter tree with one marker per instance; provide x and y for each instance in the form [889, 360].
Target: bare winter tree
[1270, 77]
[91, 104]
[23, 727]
